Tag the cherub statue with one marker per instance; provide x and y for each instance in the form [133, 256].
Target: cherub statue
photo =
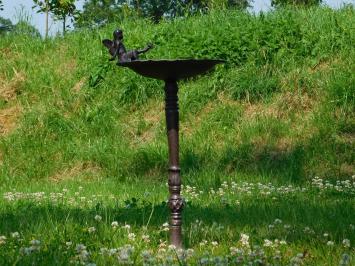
[117, 48]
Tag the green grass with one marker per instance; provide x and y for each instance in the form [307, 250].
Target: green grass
[280, 111]
[66, 213]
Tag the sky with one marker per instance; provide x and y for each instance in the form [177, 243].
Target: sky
[14, 8]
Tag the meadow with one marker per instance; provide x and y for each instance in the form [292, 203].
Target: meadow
[267, 144]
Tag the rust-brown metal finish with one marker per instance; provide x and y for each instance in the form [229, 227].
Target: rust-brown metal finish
[175, 202]
[171, 71]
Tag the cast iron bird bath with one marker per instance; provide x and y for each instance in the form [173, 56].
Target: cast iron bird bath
[171, 71]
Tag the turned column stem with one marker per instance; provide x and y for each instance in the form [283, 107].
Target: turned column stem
[175, 202]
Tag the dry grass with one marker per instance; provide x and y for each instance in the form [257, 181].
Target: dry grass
[142, 124]
[10, 89]
[88, 170]
[9, 118]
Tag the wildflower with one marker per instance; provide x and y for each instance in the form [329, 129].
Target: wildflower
[162, 244]
[278, 221]
[346, 243]
[80, 247]
[91, 229]
[325, 235]
[244, 239]
[146, 238]
[330, 243]
[203, 243]
[131, 236]
[271, 226]
[98, 218]
[25, 251]
[15, 235]
[190, 252]
[2, 240]
[283, 242]
[235, 251]
[35, 242]
[165, 227]
[267, 243]
[345, 260]
[68, 244]
[287, 226]
[172, 247]
[127, 226]
[214, 243]
[114, 224]
[112, 251]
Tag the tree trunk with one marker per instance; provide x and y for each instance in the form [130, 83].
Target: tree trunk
[64, 26]
[47, 16]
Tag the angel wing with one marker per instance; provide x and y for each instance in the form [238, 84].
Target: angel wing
[109, 45]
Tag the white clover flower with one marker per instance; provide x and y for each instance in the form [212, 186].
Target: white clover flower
[345, 260]
[68, 244]
[235, 251]
[267, 243]
[25, 251]
[165, 227]
[80, 247]
[145, 238]
[190, 252]
[2, 240]
[244, 239]
[127, 226]
[35, 242]
[98, 218]
[114, 224]
[15, 235]
[287, 226]
[203, 243]
[278, 221]
[283, 242]
[330, 243]
[346, 243]
[271, 226]
[325, 234]
[131, 236]
[172, 247]
[162, 244]
[214, 243]
[80, 188]
[91, 229]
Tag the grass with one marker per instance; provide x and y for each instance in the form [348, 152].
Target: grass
[105, 216]
[280, 111]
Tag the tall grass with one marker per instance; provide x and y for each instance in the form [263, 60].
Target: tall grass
[281, 108]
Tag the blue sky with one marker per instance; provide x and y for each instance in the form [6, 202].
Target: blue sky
[12, 9]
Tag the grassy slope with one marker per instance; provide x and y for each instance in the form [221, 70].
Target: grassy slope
[281, 110]
[281, 107]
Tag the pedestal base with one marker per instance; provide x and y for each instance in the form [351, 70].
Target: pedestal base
[172, 123]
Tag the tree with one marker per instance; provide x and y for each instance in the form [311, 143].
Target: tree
[45, 6]
[98, 12]
[283, 3]
[5, 25]
[62, 9]
[1, 5]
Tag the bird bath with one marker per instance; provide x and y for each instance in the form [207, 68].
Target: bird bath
[171, 71]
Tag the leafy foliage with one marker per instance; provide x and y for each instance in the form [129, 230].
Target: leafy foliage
[283, 3]
[1, 5]
[63, 9]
